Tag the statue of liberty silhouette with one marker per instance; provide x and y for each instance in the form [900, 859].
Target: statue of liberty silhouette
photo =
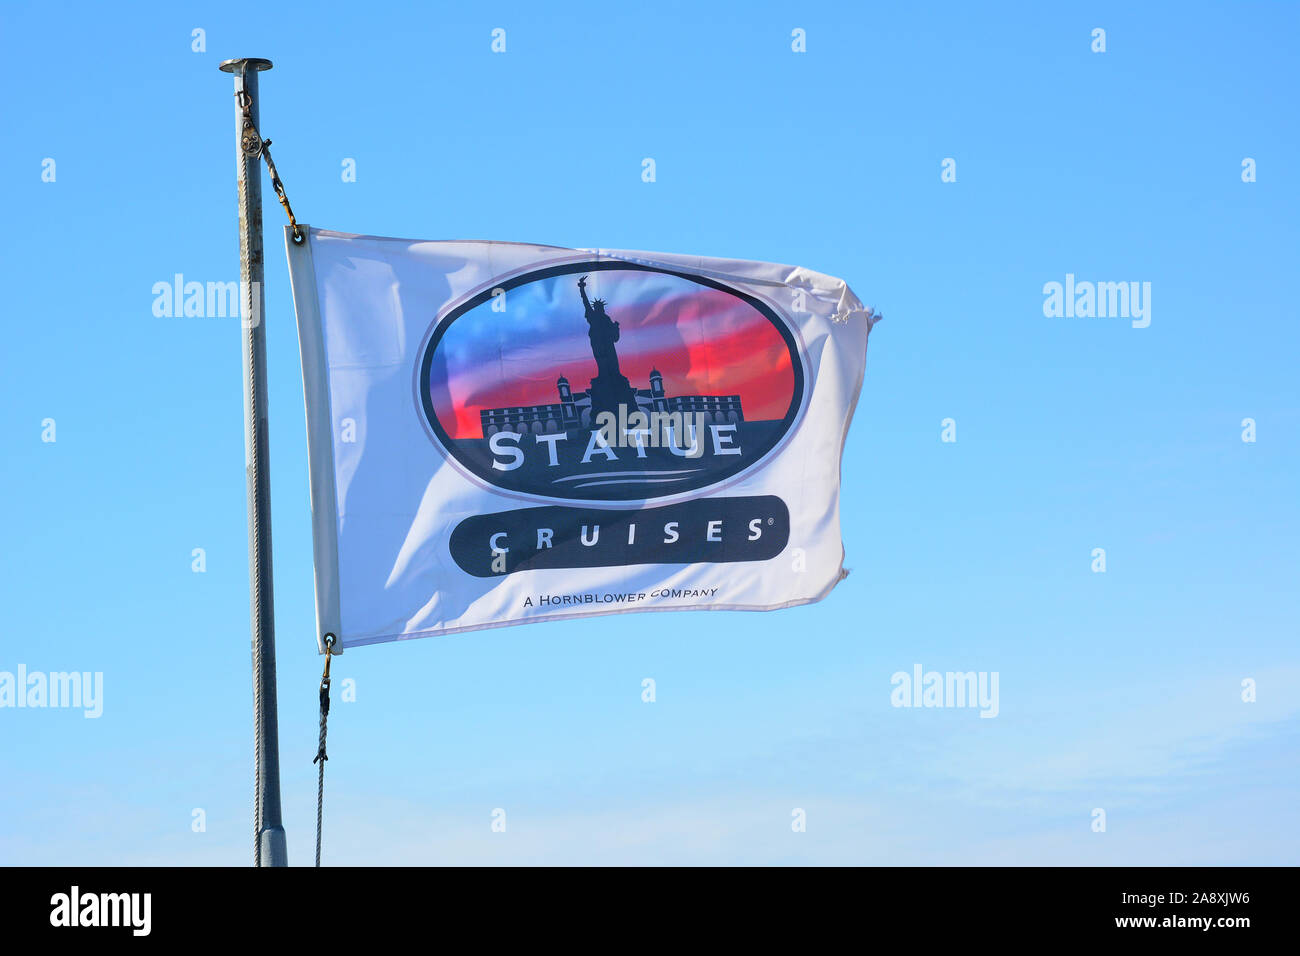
[610, 388]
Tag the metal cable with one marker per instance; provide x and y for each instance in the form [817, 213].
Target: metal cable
[320, 779]
[321, 757]
[280, 194]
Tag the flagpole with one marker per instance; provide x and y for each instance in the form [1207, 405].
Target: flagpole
[269, 842]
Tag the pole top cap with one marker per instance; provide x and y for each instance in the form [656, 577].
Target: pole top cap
[245, 64]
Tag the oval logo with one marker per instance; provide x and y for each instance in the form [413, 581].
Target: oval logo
[609, 382]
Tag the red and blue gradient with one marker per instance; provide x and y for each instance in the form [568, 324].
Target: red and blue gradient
[703, 341]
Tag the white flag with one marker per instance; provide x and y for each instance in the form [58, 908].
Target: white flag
[502, 433]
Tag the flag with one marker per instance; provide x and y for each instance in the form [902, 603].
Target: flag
[501, 433]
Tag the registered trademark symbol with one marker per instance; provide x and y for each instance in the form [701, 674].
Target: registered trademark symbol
[771, 521]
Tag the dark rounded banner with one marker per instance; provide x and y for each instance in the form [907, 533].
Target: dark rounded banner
[610, 381]
[702, 531]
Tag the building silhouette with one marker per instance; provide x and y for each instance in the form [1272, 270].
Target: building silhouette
[574, 409]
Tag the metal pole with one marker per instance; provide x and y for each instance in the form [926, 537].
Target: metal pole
[269, 844]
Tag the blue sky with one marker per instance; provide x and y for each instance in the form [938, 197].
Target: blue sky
[1118, 690]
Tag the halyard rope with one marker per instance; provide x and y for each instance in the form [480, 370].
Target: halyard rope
[320, 757]
[254, 145]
